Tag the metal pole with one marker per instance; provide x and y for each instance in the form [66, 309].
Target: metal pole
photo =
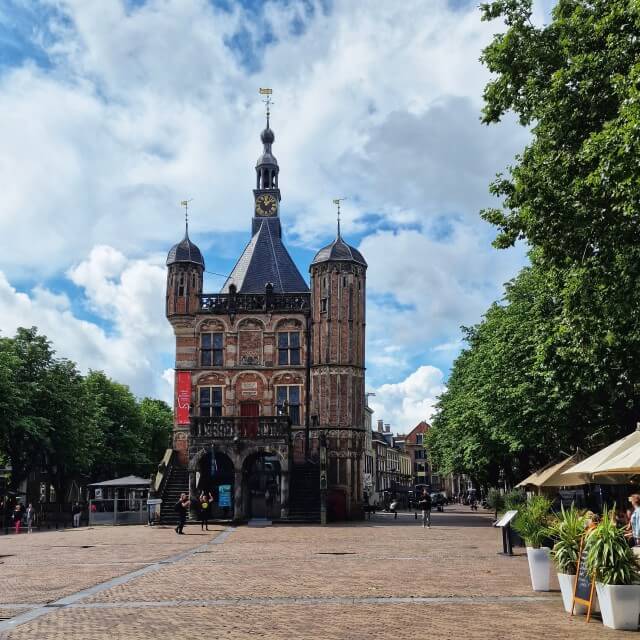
[322, 439]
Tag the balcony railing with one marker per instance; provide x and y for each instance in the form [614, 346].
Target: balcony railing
[241, 428]
[242, 302]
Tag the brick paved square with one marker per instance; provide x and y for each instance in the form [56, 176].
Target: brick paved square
[287, 581]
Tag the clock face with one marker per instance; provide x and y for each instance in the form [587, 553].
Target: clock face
[266, 205]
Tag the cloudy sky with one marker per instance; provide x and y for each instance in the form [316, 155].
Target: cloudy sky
[111, 112]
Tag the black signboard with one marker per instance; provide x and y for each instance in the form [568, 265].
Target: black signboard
[585, 585]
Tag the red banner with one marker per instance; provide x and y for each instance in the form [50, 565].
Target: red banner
[183, 396]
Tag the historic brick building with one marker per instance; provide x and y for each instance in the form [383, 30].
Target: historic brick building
[269, 398]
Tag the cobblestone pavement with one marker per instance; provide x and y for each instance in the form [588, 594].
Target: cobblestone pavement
[383, 579]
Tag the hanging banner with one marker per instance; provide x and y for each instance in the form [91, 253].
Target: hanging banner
[183, 396]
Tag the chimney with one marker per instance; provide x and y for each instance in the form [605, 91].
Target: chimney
[387, 428]
[380, 426]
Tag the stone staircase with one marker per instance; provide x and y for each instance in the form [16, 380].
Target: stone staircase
[304, 493]
[177, 483]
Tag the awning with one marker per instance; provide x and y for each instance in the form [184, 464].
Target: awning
[598, 463]
[627, 462]
[553, 475]
[127, 481]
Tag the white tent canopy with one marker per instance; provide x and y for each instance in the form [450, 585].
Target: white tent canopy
[620, 453]
[553, 475]
[627, 462]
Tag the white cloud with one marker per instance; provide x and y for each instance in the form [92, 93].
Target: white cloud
[404, 404]
[127, 292]
[422, 289]
[376, 101]
[134, 116]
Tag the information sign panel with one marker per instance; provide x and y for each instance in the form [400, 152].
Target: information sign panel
[224, 495]
[506, 518]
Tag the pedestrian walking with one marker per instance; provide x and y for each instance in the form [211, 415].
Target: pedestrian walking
[31, 514]
[182, 508]
[76, 510]
[18, 513]
[205, 506]
[424, 504]
[393, 507]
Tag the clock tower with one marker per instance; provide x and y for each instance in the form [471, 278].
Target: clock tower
[266, 194]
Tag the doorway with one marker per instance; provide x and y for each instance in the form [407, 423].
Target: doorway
[249, 414]
[263, 499]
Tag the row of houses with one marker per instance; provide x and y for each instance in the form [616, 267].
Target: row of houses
[395, 465]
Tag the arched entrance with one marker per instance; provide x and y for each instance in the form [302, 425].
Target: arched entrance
[263, 475]
[215, 475]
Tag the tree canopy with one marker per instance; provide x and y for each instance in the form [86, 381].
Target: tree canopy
[74, 427]
[557, 363]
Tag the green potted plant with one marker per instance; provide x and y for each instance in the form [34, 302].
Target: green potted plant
[532, 523]
[615, 568]
[567, 529]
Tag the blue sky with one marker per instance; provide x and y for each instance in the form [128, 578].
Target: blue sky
[112, 112]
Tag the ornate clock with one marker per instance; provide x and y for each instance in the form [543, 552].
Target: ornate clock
[266, 205]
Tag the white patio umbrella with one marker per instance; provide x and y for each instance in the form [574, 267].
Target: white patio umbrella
[627, 462]
[553, 475]
[598, 463]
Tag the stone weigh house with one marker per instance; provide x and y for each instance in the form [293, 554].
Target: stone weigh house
[269, 389]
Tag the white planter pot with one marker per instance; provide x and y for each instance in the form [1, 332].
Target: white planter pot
[539, 568]
[567, 582]
[620, 605]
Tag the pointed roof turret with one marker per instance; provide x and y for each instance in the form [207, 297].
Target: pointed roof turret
[339, 250]
[185, 250]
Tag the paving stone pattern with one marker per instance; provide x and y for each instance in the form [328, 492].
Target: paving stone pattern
[293, 582]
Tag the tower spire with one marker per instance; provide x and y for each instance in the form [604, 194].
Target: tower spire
[267, 92]
[337, 202]
[185, 204]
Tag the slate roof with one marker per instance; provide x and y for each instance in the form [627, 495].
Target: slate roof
[339, 250]
[185, 251]
[265, 259]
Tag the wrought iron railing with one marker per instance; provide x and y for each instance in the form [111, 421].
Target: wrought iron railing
[241, 428]
[243, 302]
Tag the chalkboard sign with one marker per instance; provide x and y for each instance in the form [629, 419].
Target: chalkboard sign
[585, 585]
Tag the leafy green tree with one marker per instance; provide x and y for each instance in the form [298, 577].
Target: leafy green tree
[121, 446]
[574, 192]
[24, 428]
[73, 433]
[158, 421]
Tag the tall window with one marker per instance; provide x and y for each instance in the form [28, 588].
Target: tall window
[211, 350]
[419, 438]
[211, 401]
[288, 399]
[288, 347]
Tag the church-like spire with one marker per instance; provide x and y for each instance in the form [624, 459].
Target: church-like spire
[267, 166]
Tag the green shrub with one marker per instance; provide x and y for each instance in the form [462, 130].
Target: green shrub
[567, 529]
[495, 500]
[532, 521]
[609, 556]
[514, 499]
